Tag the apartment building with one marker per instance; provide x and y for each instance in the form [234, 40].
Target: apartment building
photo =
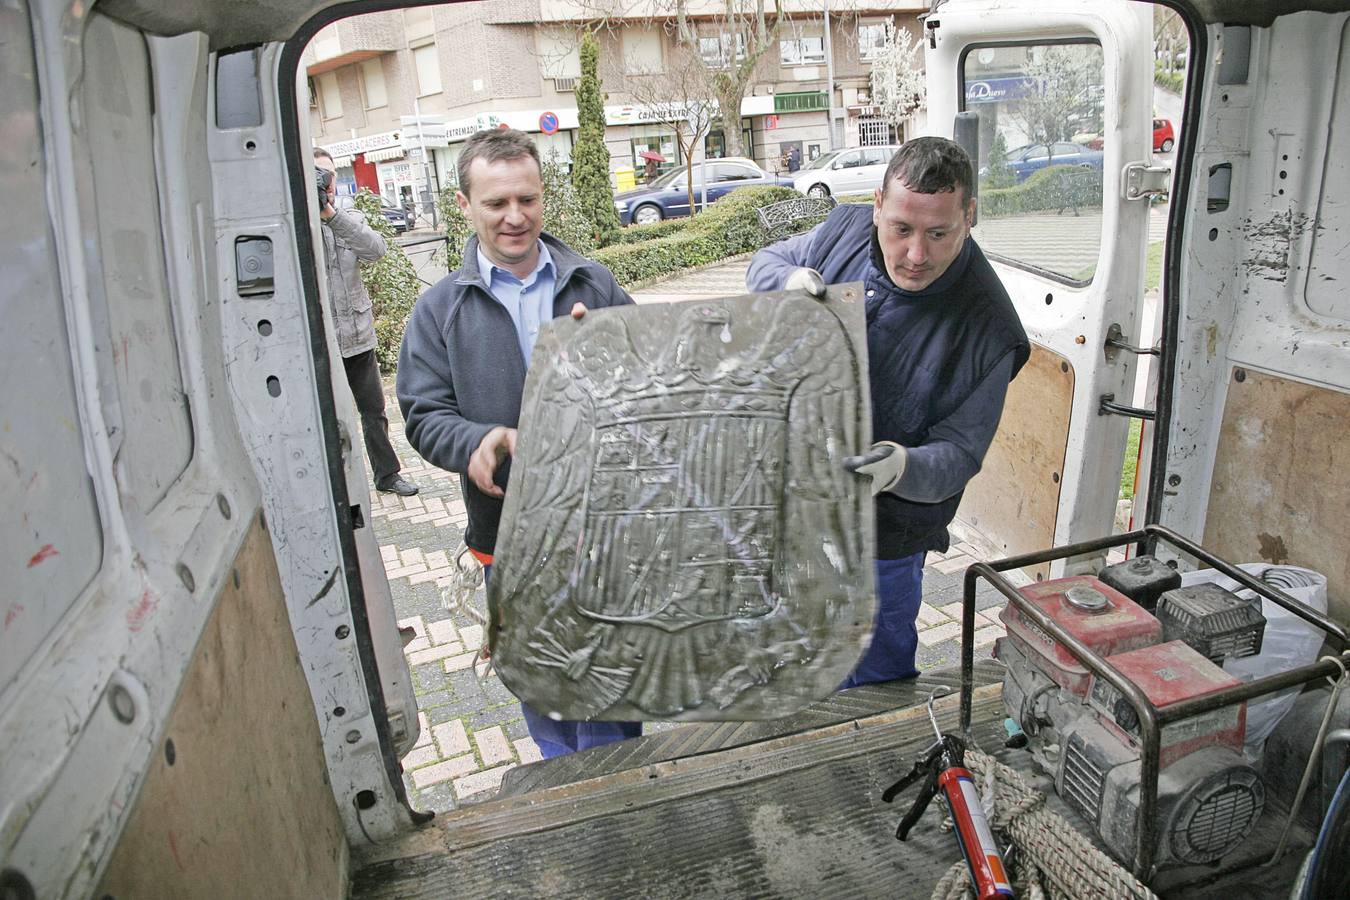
[394, 94]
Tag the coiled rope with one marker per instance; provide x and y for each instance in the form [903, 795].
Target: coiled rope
[1053, 859]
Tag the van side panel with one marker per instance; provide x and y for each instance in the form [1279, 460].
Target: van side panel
[1015, 498]
[237, 802]
[1279, 493]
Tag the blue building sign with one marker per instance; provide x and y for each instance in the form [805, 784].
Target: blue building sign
[997, 90]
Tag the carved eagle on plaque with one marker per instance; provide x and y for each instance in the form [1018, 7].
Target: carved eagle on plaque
[679, 538]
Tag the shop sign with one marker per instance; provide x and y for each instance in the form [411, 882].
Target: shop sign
[353, 146]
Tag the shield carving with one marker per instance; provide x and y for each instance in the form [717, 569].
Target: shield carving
[679, 539]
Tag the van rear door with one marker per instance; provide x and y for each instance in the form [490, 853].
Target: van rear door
[1066, 242]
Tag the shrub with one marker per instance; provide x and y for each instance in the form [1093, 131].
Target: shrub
[392, 283]
[563, 216]
[1172, 81]
[1054, 187]
[454, 224]
[727, 228]
[590, 157]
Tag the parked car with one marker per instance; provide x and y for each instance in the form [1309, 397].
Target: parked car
[1030, 158]
[668, 196]
[395, 215]
[856, 171]
[1163, 137]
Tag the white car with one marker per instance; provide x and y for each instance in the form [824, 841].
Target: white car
[839, 172]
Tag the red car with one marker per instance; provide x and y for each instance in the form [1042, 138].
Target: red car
[1163, 138]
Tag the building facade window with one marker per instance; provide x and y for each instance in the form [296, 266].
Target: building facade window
[427, 62]
[642, 51]
[559, 54]
[372, 84]
[330, 96]
[871, 39]
[804, 50]
[716, 49]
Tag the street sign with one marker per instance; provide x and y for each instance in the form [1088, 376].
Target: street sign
[548, 123]
[770, 122]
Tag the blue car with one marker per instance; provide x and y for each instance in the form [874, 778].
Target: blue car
[667, 197]
[1031, 158]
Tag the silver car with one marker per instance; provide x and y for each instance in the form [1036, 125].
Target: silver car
[839, 172]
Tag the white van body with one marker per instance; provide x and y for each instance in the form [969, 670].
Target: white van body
[200, 673]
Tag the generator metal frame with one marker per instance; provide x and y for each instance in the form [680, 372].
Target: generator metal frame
[1151, 719]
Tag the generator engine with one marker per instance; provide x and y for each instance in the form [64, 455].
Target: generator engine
[1085, 735]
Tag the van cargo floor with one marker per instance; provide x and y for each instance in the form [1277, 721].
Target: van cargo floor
[796, 813]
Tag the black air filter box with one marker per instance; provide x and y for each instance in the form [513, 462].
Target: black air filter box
[1218, 624]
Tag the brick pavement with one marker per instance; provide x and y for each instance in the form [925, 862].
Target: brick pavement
[472, 732]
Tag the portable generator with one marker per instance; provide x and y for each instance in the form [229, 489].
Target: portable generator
[1085, 735]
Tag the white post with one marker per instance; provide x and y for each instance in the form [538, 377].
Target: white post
[426, 171]
[829, 79]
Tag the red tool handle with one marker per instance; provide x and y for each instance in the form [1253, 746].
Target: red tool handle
[972, 831]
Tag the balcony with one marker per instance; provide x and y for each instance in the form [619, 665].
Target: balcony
[353, 40]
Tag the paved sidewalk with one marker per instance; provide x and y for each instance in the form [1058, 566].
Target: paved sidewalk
[472, 732]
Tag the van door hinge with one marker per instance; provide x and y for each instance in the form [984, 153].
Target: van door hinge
[1142, 180]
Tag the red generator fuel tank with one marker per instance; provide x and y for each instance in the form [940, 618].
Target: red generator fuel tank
[1169, 673]
[1101, 617]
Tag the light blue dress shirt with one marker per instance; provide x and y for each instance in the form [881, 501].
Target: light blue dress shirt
[529, 302]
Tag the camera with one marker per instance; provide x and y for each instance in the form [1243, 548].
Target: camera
[322, 180]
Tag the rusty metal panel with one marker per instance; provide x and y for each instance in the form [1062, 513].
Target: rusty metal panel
[680, 540]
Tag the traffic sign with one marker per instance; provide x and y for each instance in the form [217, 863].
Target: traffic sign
[548, 123]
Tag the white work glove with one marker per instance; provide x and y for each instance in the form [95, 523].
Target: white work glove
[808, 280]
[884, 463]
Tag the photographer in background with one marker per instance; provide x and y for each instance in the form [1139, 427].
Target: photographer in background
[347, 242]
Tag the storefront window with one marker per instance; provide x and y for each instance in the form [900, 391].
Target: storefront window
[655, 141]
[715, 144]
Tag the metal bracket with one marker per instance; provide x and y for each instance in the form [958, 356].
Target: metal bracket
[1142, 181]
[1109, 407]
[1115, 342]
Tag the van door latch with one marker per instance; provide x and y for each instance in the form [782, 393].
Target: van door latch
[1142, 180]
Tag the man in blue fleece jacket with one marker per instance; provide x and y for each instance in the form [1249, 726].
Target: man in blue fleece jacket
[461, 370]
[943, 342]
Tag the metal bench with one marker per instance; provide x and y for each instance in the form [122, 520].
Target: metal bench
[778, 219]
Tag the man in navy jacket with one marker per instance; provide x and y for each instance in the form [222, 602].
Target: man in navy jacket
[461, 370]
[943, 342]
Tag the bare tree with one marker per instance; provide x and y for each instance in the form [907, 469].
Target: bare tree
[727, 53]
[724, 42]
[1169, 36]
[1064, 92]
[683, 99]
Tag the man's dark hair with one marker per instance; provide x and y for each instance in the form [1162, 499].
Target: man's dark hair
[932, 165]
[494, 145]
[320, 153]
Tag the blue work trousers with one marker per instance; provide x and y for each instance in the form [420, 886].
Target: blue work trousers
[558, 737]
[894, 638]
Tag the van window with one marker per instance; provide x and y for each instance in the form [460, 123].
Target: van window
[1040, 184]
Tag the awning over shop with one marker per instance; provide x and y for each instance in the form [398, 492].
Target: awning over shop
[342, 162]
[384, 154]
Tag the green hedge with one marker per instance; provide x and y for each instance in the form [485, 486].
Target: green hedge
[1172, 82]
[728, 227]
[1054, 187]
